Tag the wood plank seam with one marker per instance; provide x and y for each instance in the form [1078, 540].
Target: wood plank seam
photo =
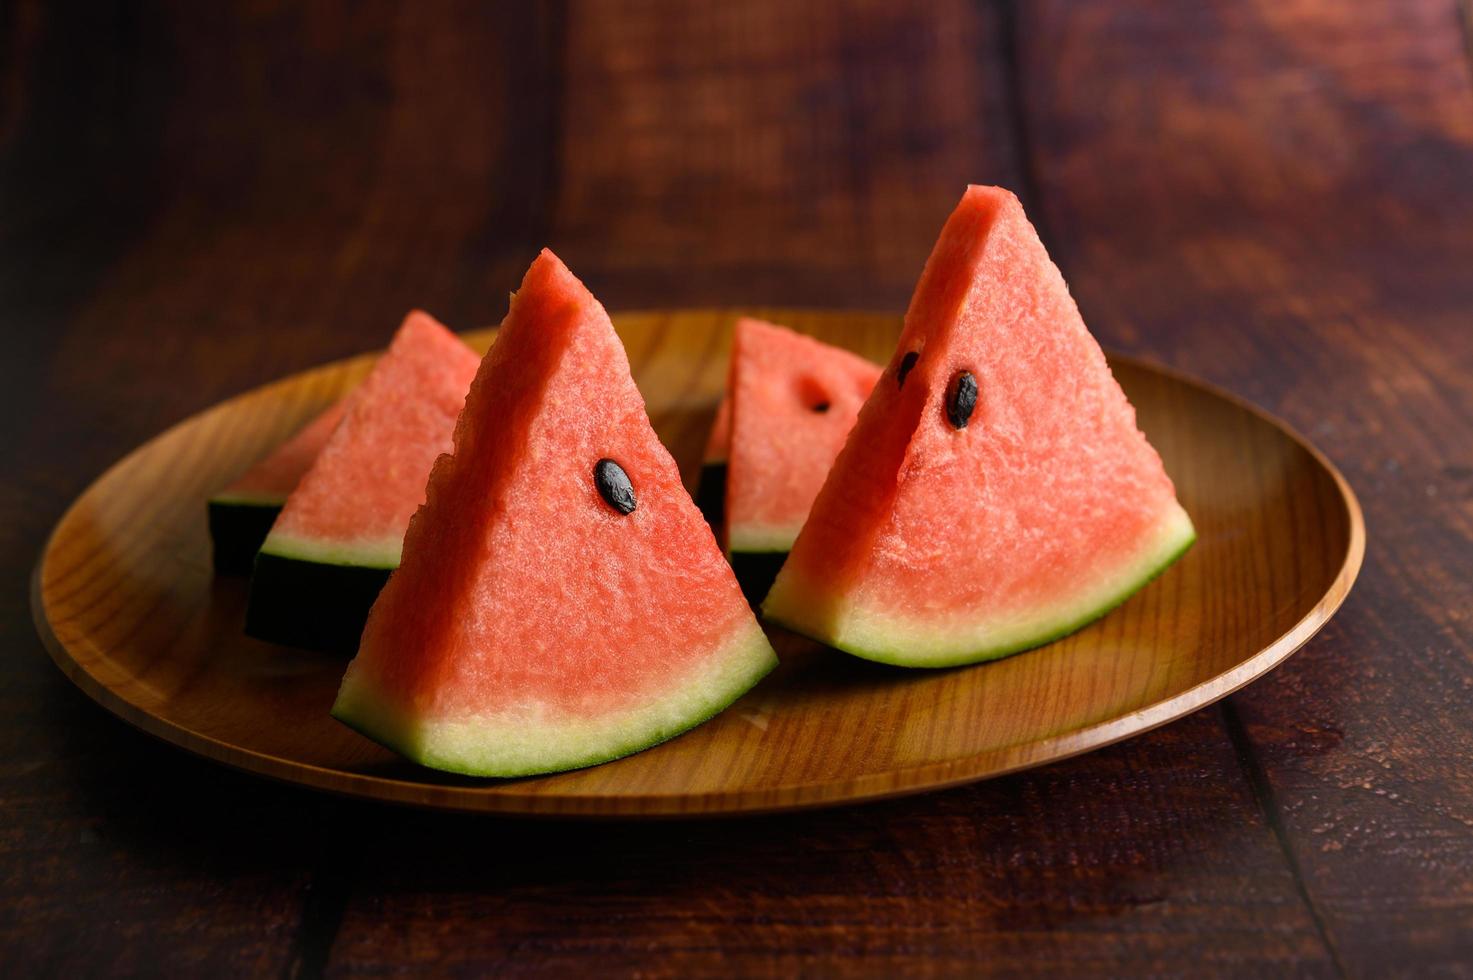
[1463, 14]
[1246, 752]
[1017, 117]
[1031, 194]
[331, 887]
[1263, 796]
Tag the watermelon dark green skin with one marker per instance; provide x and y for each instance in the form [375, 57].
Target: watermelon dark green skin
[340, 532]
[888, 644]
[755, 571]
[463, 749]
[792, 443]
[711, 494]
[711, 490]
[341, 597]
[237, 529]
[793, 401]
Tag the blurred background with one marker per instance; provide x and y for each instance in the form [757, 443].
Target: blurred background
[256, 186]
[1276, 195]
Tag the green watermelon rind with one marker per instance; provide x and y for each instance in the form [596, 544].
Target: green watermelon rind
[745, 662]
[248, 498]
[239, 525]
[314, 605]
[710, 496]
[711, 501]
[383, 553]
[750, 540]
[911, 650]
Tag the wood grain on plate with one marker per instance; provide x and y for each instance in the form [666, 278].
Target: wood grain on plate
[132, 613]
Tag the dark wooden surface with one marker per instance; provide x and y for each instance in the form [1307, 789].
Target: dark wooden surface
[195, 198]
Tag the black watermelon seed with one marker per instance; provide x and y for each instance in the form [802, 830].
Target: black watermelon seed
[821, 407]
[962, 399]
[906, 363]
[613, 485]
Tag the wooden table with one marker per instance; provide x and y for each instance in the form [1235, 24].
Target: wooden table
[195, 198]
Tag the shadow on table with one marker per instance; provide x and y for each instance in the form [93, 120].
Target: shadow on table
[1160, 834]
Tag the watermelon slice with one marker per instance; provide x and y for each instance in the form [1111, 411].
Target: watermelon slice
[793, 402]
[995, 493]
[790, 448]
[242, 513]
[561, 602]
[339, 534]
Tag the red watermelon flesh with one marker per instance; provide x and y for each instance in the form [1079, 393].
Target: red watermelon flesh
[272, 479]
[794, 400]
[532, 626]
[932, 545]
[352, 506]
[241, 514]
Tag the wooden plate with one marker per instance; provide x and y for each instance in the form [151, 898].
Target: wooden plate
[126, 603]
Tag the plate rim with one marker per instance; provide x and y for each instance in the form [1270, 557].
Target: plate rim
[892, 783]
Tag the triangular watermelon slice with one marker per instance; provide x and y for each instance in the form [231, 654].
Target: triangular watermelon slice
[995, 493]
[711, 488]
[242, 513]
[560, 602]
[793, 402]
[339, 534]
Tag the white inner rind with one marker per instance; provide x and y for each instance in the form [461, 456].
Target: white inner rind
[383, 553]
[533, 738]
[762, 538]
[248, 498]
[890, 638]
